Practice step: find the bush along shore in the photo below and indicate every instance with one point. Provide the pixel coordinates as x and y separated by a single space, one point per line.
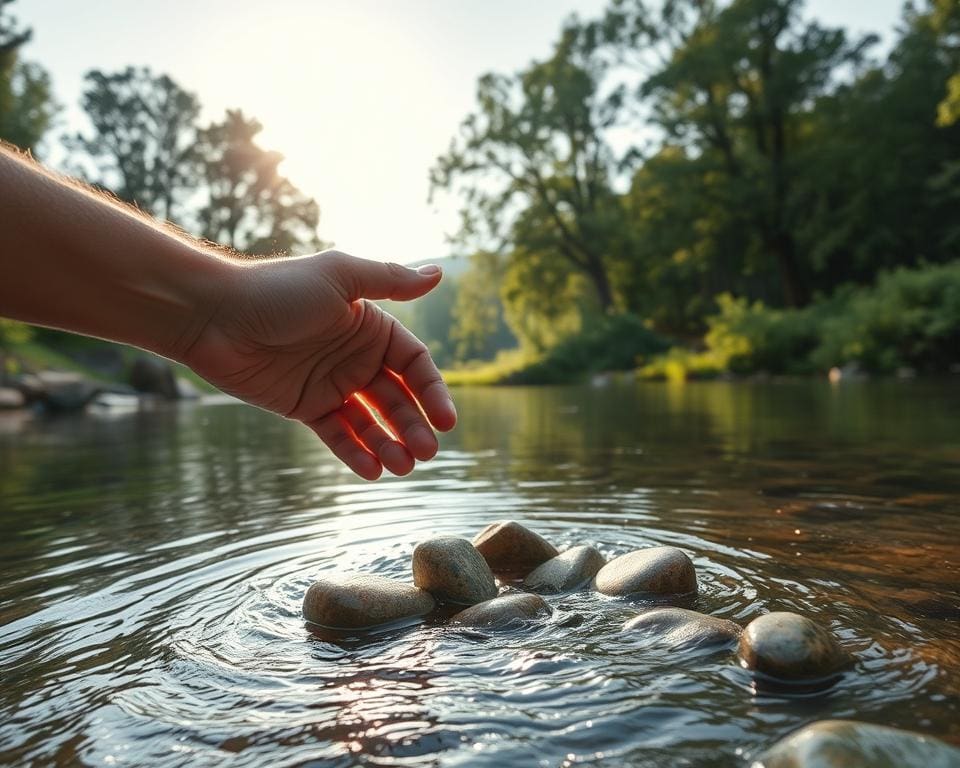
907 323
455 582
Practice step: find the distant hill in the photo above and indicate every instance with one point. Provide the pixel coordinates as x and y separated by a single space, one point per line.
453 266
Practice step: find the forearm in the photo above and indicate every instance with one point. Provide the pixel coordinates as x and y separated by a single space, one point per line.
72 259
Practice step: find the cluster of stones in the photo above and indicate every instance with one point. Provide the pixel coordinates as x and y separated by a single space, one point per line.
459 576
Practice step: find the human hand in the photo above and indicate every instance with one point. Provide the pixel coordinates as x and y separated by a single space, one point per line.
297 336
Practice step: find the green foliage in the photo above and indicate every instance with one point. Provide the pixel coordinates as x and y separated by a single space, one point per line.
27 107
616 343
535 172
12 334
911 318
479 329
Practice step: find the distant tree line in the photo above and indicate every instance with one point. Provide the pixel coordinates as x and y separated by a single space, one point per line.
670 153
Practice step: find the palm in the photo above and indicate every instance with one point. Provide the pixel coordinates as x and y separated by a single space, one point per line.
299 344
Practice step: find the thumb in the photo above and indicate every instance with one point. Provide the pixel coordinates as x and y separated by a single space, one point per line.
367 279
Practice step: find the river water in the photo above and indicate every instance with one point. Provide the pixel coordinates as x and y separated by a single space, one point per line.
152 565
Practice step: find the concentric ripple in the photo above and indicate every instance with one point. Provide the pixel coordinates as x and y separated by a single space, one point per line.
154 564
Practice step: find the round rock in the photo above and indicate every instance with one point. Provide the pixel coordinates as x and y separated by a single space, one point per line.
790 647
566 571
654 571
509 547
360 602
681 628
846 743
503 610
453 571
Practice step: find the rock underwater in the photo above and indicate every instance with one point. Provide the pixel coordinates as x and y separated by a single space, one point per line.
566 571
653 571
362 602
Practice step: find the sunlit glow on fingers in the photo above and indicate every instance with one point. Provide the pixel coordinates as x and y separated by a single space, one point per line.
393 402
337 434
376 436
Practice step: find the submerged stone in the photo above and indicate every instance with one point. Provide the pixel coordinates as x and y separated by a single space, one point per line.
566 571
361 602
653 571
509 547
790 647
503 610
453 571
681 628
846 743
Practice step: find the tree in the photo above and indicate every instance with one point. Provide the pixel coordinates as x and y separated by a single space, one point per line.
479 328
731 85
535 169
26 104
143 144
250 206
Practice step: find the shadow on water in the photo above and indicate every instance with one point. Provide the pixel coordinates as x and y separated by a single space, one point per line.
153 564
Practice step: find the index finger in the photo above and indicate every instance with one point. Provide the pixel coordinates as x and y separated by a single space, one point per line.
409 358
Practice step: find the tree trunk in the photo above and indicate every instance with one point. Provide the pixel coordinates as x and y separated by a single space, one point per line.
795 293
601 282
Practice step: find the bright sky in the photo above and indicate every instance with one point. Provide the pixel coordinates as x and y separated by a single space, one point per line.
360 95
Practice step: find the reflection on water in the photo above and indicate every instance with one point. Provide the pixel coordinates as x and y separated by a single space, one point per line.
153 565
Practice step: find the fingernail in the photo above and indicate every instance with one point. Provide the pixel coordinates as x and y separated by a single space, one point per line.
428 269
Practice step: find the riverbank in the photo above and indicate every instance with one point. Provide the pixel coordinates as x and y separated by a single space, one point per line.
34 375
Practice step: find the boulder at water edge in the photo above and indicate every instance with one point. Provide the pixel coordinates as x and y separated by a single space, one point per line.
845 744
360 602
11 398
453 571
790 647
566 571
503 610
509 547
680 628
654 571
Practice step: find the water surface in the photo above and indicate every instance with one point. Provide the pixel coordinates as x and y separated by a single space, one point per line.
152 565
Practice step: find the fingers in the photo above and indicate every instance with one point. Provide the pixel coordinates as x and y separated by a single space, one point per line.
376 439
394 403
336 432
359 441
410 360
365 279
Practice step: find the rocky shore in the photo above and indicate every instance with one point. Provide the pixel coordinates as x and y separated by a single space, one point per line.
55 391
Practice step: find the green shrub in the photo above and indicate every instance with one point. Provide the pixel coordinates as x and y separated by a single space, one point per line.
614 343
911 318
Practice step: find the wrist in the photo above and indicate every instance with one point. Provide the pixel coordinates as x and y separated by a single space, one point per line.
190 293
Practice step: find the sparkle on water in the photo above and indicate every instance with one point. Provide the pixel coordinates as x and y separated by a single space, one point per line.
153 563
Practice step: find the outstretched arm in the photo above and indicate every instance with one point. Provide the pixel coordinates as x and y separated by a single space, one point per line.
296 336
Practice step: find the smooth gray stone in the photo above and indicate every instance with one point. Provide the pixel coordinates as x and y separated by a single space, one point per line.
788 646
503 610
361 602
453 571
679 627
566 571
509 547
11 398
849 744
653 571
